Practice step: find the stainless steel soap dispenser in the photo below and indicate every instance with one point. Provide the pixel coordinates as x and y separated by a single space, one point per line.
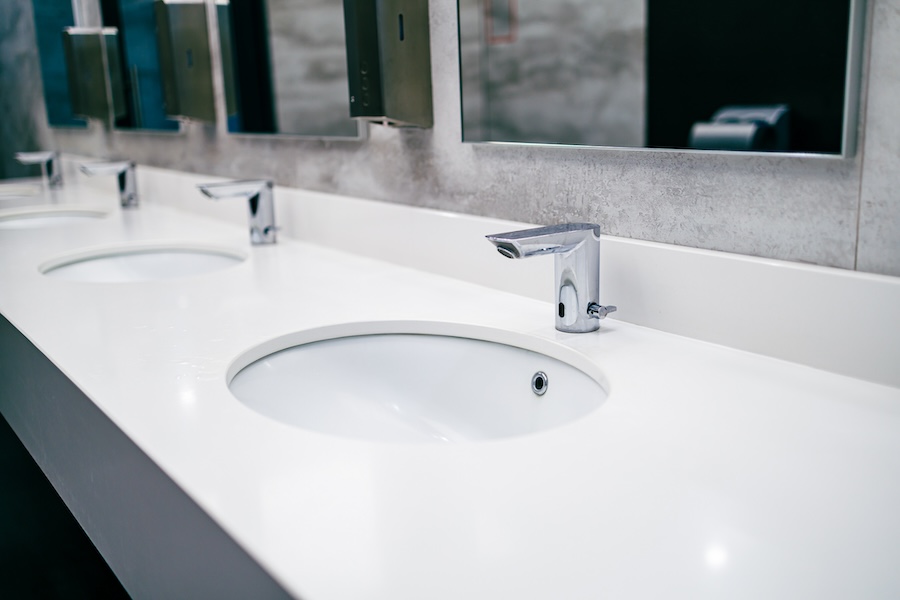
389 61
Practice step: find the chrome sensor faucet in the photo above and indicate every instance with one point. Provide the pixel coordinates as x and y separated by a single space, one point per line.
124 171
576 247
258 193
50 166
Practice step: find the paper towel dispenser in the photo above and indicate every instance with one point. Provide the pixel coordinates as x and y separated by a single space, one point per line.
185 61
94 72
750 128
389 61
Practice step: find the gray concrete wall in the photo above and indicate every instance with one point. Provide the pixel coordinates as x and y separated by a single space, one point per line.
23 120
809 209
879 210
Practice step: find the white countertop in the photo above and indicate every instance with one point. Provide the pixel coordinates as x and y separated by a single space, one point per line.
707 473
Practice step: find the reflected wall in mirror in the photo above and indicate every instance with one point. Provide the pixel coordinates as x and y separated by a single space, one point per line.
644 73
289 68
51 17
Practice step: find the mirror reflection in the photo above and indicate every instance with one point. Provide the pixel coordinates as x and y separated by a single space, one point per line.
658 74
51 17
289 68
284 63
137 66
141 72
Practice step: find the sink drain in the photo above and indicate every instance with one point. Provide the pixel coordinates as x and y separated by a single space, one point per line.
539 383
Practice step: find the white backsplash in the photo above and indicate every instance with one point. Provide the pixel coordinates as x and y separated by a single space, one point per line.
832 319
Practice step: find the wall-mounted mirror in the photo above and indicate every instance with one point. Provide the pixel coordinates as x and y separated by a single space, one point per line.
289 67
137 67
286 61
51 17
141 71
774 75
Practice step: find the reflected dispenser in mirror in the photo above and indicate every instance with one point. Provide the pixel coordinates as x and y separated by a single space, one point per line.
749 128
389 61
94 70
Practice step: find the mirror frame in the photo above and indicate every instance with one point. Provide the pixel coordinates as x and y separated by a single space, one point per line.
853 89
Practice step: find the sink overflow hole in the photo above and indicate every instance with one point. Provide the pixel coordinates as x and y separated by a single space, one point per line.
539 383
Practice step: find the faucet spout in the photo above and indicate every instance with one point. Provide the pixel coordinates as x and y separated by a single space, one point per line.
260 199
555 239
50 166
124 170
576 247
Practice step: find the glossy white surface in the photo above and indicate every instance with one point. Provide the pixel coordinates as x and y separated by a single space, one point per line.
140 262
37 217
19 190
26 192
404 382
707 473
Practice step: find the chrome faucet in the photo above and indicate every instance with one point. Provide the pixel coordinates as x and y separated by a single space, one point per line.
124 171
576 247
50 166
258 193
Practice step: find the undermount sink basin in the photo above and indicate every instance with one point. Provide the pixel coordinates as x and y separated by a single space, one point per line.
47 216
140 262
417 382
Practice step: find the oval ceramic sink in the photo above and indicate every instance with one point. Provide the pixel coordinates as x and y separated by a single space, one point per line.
140 262
417 382
47 216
